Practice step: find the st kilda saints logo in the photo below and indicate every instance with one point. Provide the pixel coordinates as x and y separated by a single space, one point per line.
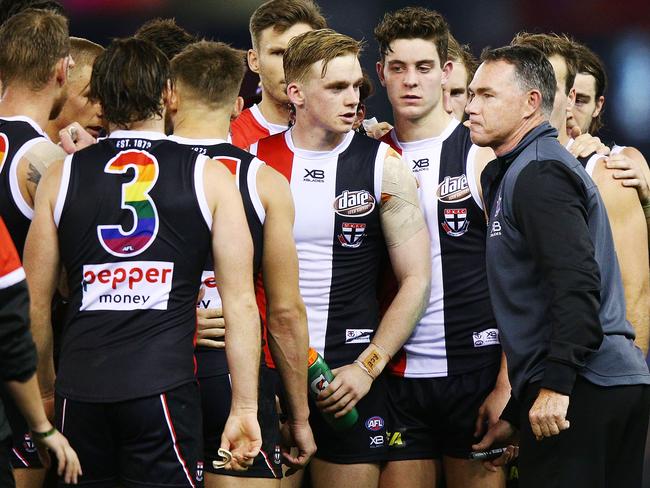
456 221
453 189
352 234
354 203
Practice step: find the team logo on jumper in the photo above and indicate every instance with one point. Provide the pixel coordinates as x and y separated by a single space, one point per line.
135 197
376 441
354 203
133 285
352 234
357 336
395 440
4 149
199 471
211 298
456 222
276 454
375 423
28 443
319 384
453 189
487 337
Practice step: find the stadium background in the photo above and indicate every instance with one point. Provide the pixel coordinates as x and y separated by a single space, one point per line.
618 31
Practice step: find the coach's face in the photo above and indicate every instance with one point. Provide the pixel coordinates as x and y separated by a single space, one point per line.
266 60
330 102
497 105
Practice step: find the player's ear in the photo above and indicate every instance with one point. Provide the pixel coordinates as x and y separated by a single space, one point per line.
379 66
572 98
296 94
253 61
447 68
600 101
167 93
173 98
237 108
61 69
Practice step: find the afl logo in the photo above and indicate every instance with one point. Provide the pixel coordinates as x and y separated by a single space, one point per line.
374 424
453 189
354 203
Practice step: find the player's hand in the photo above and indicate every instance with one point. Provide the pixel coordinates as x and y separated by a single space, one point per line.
548 414
243 438
350 385
211 326
503 432
631 174
74 138
586 144
297 434
491 409
68 463
378 130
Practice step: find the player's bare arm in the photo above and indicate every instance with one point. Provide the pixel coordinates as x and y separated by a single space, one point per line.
286 315
233 262
33 166
42 268
633 171
630 234
407 239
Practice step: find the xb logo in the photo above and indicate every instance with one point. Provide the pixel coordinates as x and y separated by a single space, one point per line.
316 174
420 164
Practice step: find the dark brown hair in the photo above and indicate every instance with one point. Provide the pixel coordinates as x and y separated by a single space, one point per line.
413 23
460 53
213 71
32 42
313 46
284 14
552 44
590 64
166 35
129 79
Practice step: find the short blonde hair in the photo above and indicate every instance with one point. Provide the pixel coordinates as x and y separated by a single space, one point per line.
313 46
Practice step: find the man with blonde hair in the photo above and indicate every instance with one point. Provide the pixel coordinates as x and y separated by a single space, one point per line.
354 198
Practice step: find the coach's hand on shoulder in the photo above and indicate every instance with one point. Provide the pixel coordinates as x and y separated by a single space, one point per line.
586 144
298 434
351 383
50 439
548 414
74 138
242 437
503 432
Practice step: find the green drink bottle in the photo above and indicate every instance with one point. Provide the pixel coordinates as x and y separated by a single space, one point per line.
320 376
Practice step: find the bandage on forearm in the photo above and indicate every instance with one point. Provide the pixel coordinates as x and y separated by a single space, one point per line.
400 212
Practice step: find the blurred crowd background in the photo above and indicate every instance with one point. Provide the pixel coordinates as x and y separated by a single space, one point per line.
618 31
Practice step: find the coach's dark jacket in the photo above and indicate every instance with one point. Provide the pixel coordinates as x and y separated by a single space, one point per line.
554 278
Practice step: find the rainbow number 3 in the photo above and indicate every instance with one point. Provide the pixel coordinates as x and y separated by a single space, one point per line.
135 197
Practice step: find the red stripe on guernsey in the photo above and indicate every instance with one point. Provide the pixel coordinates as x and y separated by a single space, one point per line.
268 463
24 461
388 139
245 130
260 297
172 432
9 260
275 152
